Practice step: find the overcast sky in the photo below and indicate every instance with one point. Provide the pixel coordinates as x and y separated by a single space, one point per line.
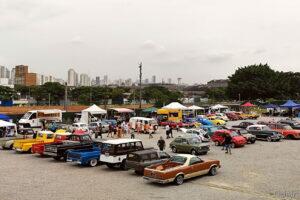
197 40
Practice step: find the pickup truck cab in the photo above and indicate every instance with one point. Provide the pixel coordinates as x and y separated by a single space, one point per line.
25 145
85 157
59 136
8 141
114 152
138 160
59 150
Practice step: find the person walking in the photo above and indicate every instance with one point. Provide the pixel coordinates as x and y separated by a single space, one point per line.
161 144
171 132
167 131
150 131
132 135
228 142
110 130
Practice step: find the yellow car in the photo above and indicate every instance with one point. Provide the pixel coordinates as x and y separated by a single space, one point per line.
250 116
216 121
25 145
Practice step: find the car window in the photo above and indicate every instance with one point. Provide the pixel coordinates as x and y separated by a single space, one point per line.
178 159
184 141
164 155
74 138
153 156
33 116
136 145
178 140
133 157
195 160
50 136
86 138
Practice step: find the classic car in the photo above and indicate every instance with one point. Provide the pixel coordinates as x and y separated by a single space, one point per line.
222 116
250 115
85 157
174 124
263 132
294 124
248 136
216 121
241 115
200 133
286 130
210 129
58 150
219 136
104 125
138 160
114 152
25 145
79 126
8 142
204 121
232 116
189 144
179 168
60 135
243 125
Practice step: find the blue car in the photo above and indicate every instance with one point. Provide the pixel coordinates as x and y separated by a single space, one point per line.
85 157
204 121
210 129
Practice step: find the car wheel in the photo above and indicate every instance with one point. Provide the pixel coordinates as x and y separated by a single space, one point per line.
57 158
213 171
29 150
252 141
218 124
174 150
11 147
138 172
290 137
179 180
93 162
217 143
123 165
193 152
269 139
109 165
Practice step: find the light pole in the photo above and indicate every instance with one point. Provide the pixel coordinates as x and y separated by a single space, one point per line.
140 67
49 96
66 96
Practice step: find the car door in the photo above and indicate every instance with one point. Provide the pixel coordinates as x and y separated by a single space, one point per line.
185 146
178 144
197 167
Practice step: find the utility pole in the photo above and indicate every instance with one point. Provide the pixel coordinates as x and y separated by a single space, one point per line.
66 96
49 101
140 67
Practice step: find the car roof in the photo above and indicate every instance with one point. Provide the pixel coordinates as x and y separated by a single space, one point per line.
147 151
121 141
185 155
46 132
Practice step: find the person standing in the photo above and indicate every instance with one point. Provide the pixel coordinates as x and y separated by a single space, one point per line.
177 127
161 144
171 131
228 142
110 130
167 131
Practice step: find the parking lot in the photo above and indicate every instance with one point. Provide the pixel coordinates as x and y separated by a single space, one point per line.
264 170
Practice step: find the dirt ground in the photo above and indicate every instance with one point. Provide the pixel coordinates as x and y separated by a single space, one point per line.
257 171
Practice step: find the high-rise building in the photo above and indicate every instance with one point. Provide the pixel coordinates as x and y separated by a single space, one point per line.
154 79
85 80
23 77
4 72
72 78
146 81
105 80
12 76
97 81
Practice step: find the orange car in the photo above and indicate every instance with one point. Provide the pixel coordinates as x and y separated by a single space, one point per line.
180 167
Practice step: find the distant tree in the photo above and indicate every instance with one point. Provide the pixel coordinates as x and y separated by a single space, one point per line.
6 93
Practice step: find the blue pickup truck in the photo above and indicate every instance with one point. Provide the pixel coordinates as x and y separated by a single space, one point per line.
85 156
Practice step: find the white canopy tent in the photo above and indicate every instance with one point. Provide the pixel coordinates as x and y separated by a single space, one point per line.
219 108
195 108
175 105
92 110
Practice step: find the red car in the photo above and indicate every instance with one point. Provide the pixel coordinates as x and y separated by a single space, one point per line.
286 130
39 148
232 116
174 124
219 136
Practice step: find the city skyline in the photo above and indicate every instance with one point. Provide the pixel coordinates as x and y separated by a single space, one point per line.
111 38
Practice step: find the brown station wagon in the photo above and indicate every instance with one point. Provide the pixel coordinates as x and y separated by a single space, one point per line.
181 167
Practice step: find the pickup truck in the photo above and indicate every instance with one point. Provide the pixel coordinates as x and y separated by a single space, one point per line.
25 145
85 157
59 150
8 142
40 147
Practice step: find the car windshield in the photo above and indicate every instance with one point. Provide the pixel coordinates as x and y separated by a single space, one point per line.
194 141
243 131
27 115
233 134
266 128
213 129
178 159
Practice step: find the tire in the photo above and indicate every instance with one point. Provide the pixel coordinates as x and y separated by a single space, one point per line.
138 172
174 150
109 165
213 171
179 180
269 139
93 162
57 158
11 147
233 145
253 141
193 152
123 165
29 150
291 137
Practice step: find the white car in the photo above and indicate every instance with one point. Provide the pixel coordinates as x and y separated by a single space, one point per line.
79 126
200 133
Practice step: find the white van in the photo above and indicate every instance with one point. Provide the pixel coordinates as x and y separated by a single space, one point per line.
143 120
34 118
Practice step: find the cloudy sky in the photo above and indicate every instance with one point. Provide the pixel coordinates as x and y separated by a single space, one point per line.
196 40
